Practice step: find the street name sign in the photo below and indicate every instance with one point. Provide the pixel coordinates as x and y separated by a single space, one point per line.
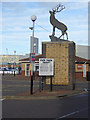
46 67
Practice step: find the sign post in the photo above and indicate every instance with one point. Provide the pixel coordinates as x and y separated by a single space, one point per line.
51 83
42 82
46 68
32 59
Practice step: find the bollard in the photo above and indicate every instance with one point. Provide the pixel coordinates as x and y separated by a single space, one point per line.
14 72
73 86
3 72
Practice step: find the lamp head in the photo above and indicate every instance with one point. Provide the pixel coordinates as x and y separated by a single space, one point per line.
33 18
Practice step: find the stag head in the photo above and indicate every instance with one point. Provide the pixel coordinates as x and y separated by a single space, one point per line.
58 8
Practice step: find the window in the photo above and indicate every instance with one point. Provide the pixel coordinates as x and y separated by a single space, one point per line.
27 69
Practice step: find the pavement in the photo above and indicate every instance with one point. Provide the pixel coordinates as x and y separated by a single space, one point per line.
46 94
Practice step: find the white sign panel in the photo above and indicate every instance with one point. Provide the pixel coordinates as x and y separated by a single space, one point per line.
46 67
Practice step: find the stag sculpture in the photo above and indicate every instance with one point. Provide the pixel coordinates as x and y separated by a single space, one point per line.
56 23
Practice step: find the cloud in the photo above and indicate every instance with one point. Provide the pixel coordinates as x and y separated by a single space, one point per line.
45 0
76 5
16 29
42 20
77 36
36 0
24 18
14 7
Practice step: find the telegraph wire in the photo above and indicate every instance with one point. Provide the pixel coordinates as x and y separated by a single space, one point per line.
42 27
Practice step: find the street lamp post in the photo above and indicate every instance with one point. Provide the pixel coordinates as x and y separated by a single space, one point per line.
33 18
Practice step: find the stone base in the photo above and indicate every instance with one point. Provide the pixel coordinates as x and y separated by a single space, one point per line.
60 87
55 39
63 53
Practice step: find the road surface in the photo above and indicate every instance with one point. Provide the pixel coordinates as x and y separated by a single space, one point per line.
67 107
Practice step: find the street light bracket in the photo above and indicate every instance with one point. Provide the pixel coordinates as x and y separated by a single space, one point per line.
31 28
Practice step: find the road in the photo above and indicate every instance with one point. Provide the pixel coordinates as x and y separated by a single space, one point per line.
68 107
16 86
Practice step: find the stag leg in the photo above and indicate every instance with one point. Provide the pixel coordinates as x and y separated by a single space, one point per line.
53 31
62 35
67 35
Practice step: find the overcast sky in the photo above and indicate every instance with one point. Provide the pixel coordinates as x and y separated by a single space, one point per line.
16 20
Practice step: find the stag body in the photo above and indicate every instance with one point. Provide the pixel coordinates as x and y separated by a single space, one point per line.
57 24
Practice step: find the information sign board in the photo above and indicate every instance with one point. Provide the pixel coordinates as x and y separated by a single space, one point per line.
46 67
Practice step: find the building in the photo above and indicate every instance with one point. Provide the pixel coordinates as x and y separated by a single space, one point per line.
82 66
8 60
82 62
83 51
25 65
79 66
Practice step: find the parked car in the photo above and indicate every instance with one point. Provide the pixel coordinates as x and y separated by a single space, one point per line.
12 71
8 71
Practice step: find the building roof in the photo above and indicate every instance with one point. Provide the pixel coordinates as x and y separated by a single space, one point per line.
36 58
24 59
79 59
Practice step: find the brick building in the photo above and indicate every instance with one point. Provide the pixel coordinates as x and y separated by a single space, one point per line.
79 62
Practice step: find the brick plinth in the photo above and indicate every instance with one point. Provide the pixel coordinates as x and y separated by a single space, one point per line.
63 54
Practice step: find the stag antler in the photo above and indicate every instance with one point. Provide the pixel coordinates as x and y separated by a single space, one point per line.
57 7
